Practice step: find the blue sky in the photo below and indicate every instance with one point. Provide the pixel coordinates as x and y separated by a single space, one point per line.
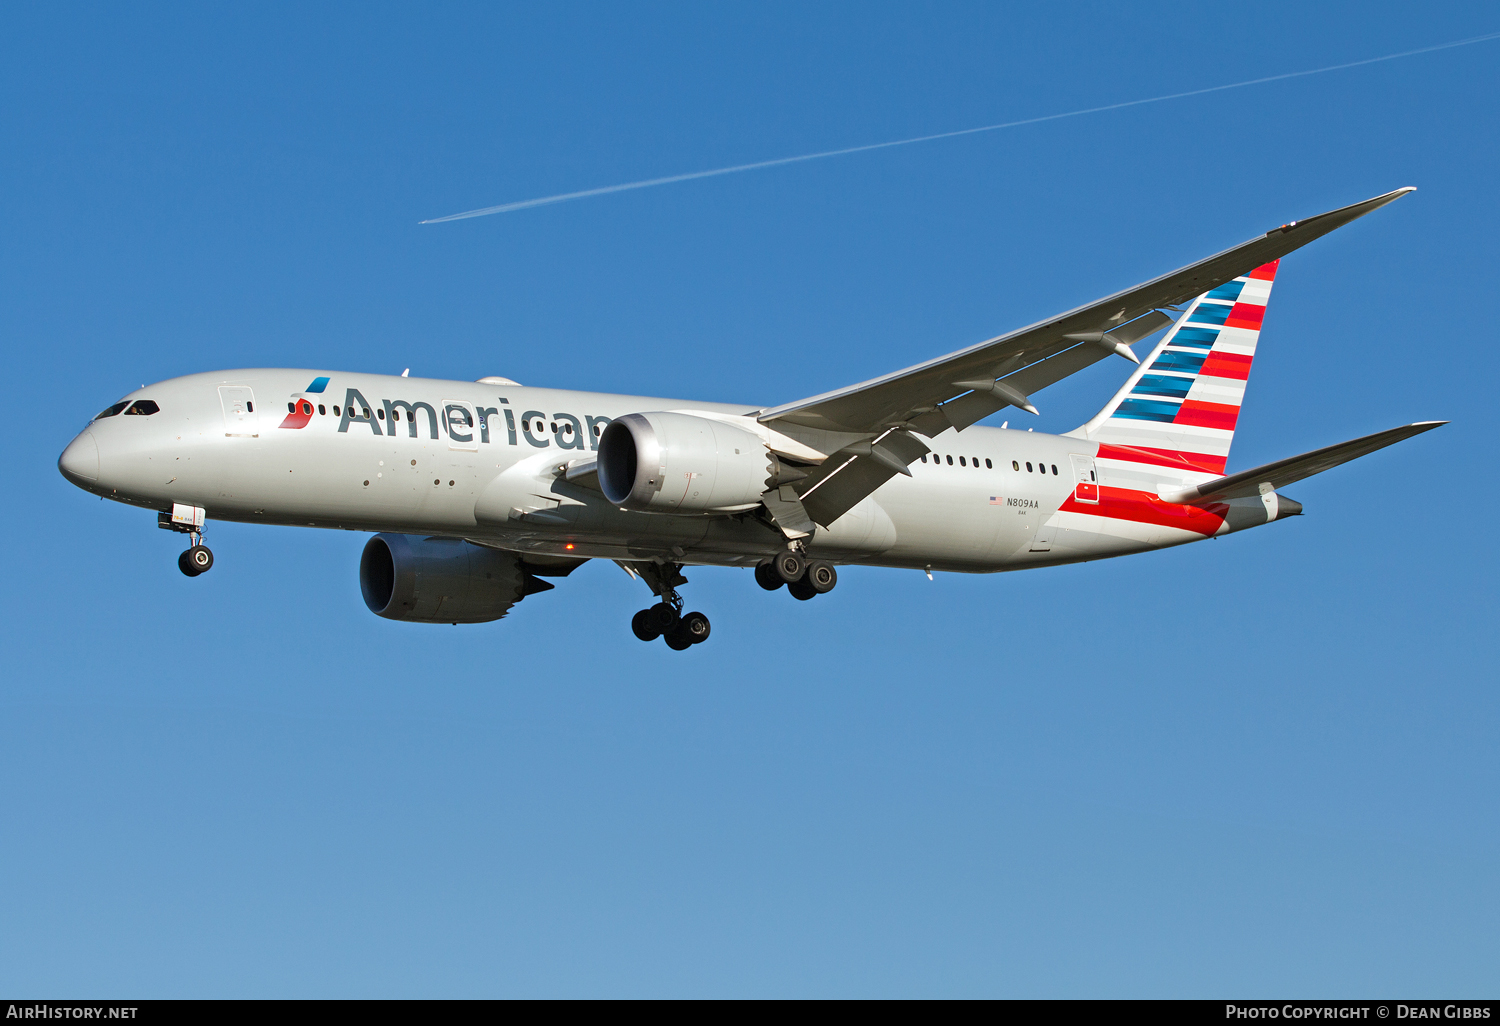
1258 766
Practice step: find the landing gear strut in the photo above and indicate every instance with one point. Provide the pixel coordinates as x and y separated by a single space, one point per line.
188 520
803 579
666 619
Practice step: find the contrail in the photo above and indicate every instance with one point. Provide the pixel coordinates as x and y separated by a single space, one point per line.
506 208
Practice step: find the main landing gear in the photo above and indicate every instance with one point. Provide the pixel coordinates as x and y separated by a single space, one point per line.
803 579
666 619
188 520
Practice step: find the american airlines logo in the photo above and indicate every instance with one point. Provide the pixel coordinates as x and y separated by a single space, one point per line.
465 424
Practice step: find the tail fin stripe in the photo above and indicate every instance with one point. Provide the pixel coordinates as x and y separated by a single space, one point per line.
1171 386
1210 313
1245 315
1230 290
1201 338
1163 458
1147 409
1186 363
1210 415
1227 365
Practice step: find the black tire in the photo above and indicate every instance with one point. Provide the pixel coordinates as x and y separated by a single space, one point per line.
200 557
695 628
677 639
802 590
187 568
767 577
789 567
663 617
640 623
822 576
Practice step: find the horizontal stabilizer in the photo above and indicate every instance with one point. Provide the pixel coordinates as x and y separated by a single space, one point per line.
1284 472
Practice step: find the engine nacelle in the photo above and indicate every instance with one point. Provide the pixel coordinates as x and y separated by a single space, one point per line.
681 463
438 580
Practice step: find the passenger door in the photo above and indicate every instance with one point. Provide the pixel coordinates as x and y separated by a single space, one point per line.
1086 488
460 424
240 418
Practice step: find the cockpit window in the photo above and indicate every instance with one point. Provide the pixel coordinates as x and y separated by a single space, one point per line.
113 410
142 408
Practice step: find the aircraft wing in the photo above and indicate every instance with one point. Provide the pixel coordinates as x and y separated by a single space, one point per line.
956 390
1277 475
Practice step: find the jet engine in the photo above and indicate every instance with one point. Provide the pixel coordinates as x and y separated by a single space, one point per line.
681 463
440 580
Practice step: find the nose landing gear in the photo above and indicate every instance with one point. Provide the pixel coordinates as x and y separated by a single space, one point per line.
189 520
196 560
666 620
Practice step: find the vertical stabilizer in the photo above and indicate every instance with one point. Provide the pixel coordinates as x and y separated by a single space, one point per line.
1178 410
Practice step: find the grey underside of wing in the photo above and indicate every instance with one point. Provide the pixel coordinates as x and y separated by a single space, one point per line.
914 398
1289 471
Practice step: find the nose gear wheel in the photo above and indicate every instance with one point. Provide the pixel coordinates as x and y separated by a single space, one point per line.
196 560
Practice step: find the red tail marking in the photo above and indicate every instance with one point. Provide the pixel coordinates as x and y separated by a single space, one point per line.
1245 315
1209 415
1145 508
1265 272
1227 365
1163 458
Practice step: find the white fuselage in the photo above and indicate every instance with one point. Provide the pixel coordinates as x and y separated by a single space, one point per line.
487 463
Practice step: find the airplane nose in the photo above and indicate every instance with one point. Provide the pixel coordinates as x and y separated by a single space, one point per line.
80 460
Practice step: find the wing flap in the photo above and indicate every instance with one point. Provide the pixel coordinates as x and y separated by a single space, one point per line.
851 474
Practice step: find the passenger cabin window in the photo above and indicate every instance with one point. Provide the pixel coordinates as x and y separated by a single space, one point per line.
307 409
1014 465
950 461
113 411
142 408
1028 468
975 461
1054 470
336 411
322 410
988 465
961 462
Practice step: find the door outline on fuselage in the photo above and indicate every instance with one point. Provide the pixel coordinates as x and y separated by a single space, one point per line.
240 417
468 425
1041 538
1085 479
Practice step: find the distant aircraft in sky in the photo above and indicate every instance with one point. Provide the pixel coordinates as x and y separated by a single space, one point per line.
478 491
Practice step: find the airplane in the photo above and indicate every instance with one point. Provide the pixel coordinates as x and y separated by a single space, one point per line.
477 492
